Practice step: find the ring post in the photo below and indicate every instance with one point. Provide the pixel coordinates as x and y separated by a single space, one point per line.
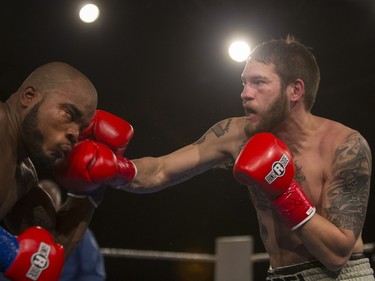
233 258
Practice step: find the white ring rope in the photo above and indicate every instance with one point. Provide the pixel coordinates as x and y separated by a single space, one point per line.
178 256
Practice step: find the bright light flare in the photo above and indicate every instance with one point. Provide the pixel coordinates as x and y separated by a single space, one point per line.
239 51
89 13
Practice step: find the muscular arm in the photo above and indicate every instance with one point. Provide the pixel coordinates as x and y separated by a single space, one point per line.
332 238
34 208
68 224
215 146
73 218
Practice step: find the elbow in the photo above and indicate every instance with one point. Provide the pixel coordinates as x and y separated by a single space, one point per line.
336 263
339 256
335 266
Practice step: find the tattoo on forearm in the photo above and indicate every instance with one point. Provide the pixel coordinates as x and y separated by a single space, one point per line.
349 192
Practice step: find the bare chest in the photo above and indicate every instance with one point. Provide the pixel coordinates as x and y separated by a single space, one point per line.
311 174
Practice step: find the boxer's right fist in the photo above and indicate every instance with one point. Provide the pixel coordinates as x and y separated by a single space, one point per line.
266 161
33 255
110 130
90 165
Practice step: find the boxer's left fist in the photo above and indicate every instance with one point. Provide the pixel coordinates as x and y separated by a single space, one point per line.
266 161
33 255
91 165
110 130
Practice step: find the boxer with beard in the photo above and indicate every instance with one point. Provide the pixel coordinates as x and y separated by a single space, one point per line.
40 123
308 176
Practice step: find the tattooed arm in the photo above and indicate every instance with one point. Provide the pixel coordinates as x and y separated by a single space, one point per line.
214 147
335 234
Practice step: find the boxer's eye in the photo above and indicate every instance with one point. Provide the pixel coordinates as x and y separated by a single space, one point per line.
69 115
71 112
258 82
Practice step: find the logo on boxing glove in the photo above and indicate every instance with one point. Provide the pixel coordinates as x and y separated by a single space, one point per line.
39 261
278 169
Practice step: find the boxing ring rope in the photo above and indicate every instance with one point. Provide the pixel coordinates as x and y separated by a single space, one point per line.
233 258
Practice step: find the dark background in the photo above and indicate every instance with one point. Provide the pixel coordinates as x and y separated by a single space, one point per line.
163 66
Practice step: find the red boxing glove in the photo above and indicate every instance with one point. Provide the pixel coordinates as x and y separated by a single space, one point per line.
110 130
90 165
38 258
266 160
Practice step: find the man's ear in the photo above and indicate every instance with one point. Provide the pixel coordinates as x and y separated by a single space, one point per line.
30 96
298 88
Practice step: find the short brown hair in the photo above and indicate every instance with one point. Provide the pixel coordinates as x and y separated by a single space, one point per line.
292 61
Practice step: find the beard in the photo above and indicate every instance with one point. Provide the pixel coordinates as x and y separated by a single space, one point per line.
277 112
34 138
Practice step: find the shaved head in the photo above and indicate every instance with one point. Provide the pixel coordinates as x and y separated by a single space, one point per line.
59 78
55 75
53 104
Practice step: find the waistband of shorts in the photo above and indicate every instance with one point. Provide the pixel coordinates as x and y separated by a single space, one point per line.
293 269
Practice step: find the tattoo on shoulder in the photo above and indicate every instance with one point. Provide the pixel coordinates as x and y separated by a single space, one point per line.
201 140
217 129
348 193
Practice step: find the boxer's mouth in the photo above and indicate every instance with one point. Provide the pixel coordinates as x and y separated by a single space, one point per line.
249 111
